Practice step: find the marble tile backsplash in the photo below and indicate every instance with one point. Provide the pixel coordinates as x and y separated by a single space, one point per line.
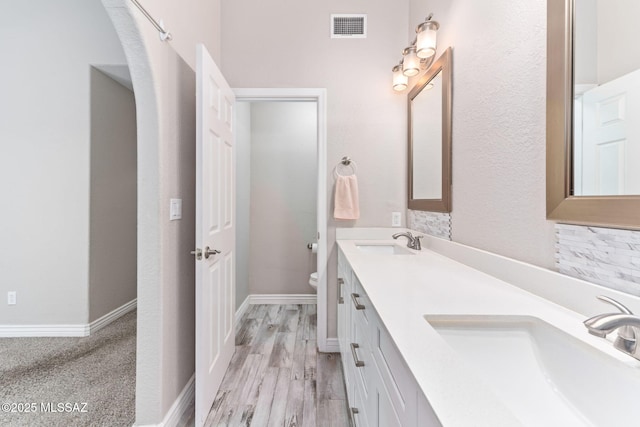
436 224
606 256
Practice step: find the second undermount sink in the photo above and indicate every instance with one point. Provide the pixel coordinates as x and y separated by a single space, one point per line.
387 249
544 375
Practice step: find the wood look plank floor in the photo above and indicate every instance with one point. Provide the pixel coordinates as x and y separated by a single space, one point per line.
277 377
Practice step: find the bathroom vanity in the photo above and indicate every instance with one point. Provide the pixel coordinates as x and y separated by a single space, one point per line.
380 387
455 336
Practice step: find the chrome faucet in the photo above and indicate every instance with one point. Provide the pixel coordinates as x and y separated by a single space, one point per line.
627 324
413 241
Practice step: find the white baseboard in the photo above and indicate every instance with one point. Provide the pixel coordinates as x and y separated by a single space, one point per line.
18 331
242 309
182 407
282 299
81 330
332 345
100 323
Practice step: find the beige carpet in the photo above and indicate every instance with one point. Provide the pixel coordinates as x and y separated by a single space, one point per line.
70 381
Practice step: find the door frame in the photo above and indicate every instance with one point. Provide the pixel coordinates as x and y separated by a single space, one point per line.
318 95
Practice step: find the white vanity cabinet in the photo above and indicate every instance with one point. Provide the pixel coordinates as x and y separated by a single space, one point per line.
344 289
344 319
381 390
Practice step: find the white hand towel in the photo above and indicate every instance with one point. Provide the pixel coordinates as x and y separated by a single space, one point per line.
346 200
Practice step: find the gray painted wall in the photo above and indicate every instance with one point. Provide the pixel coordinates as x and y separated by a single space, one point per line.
276 153
283 197
606 40
586 42
618 47
243 199
112 236
178 285
47 48
366 119
499 112
165 102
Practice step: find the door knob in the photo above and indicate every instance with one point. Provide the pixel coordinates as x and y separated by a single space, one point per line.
197 253
209 252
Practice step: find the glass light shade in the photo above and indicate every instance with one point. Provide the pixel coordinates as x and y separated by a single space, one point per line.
426 39
411 62
400 81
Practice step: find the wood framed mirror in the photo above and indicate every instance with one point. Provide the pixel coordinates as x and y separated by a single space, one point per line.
608 196
429 106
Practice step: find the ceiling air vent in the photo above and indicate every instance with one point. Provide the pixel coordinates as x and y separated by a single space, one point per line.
348 26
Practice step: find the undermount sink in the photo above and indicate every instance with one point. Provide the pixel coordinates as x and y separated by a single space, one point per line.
545 376
387 249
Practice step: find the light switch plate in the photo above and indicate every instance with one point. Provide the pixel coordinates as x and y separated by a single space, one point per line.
11 298
175 209
396 219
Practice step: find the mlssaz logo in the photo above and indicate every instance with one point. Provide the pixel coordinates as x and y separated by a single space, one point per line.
63 407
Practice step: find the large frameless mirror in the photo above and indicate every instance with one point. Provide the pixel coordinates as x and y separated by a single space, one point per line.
430 138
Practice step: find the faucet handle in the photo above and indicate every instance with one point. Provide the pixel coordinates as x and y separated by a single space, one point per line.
418 245
614 303
626 333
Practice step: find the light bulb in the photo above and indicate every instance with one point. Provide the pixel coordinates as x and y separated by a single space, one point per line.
411 62
400 81
426 39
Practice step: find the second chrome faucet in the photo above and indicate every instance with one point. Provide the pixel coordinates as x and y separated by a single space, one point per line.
627 324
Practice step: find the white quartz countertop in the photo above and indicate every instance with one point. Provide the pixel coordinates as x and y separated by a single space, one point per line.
405 288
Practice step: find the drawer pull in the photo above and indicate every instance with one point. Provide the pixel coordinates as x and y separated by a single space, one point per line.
340 284
355 411
359 363
355 297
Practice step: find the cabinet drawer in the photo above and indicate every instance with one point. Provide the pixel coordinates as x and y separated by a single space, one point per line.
348 371
386 414
358 410
360 305
344 269
344 307
360 359
395 375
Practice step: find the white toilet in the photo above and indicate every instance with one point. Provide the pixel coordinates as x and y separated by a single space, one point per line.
313 280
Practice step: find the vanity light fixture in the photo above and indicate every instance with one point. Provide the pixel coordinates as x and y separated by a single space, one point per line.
417 56
426 38
400 81
410 62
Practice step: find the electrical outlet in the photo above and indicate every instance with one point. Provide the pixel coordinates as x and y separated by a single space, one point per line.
175 209
11 298
396 219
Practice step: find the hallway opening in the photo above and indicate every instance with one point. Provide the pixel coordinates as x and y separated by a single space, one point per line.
281 202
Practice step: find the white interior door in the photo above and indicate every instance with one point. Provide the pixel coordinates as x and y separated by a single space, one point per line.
611 142
215 231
